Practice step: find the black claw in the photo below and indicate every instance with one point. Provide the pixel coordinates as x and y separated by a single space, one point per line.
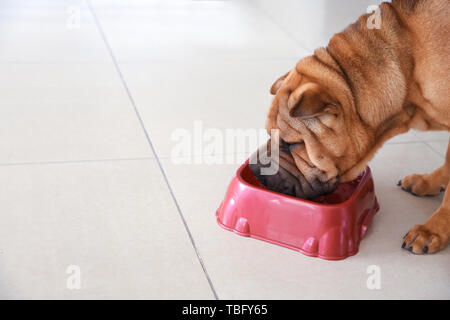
403 245
425 249
407 190
399 183
410 249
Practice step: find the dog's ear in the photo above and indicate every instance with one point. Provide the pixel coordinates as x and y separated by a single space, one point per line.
277 84
310 101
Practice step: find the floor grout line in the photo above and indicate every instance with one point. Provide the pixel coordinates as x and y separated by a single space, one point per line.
288 34
402 142
187 157
102 34
35 163
429 145
151 61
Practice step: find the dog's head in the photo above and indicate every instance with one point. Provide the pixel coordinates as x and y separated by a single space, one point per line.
322 140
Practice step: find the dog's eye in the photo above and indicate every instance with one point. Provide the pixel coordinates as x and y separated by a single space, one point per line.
286 145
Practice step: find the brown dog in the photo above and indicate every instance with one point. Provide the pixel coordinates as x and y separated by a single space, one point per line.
336 108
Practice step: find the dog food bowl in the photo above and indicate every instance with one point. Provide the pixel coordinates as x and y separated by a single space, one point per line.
330 227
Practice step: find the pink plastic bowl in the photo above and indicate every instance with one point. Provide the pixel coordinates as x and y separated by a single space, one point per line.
330 228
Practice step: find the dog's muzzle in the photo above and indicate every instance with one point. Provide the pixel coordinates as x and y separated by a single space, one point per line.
288 179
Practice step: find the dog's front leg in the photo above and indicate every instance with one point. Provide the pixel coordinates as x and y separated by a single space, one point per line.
428 184
434 235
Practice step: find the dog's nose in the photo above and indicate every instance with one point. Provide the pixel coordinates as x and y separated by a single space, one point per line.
293 183
282 181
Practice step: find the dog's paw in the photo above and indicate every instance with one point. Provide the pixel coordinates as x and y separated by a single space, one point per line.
422 240
420 185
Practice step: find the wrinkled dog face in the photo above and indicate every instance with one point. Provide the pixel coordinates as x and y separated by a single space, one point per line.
317 137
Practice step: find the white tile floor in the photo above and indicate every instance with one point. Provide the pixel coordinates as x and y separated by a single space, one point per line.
86 117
